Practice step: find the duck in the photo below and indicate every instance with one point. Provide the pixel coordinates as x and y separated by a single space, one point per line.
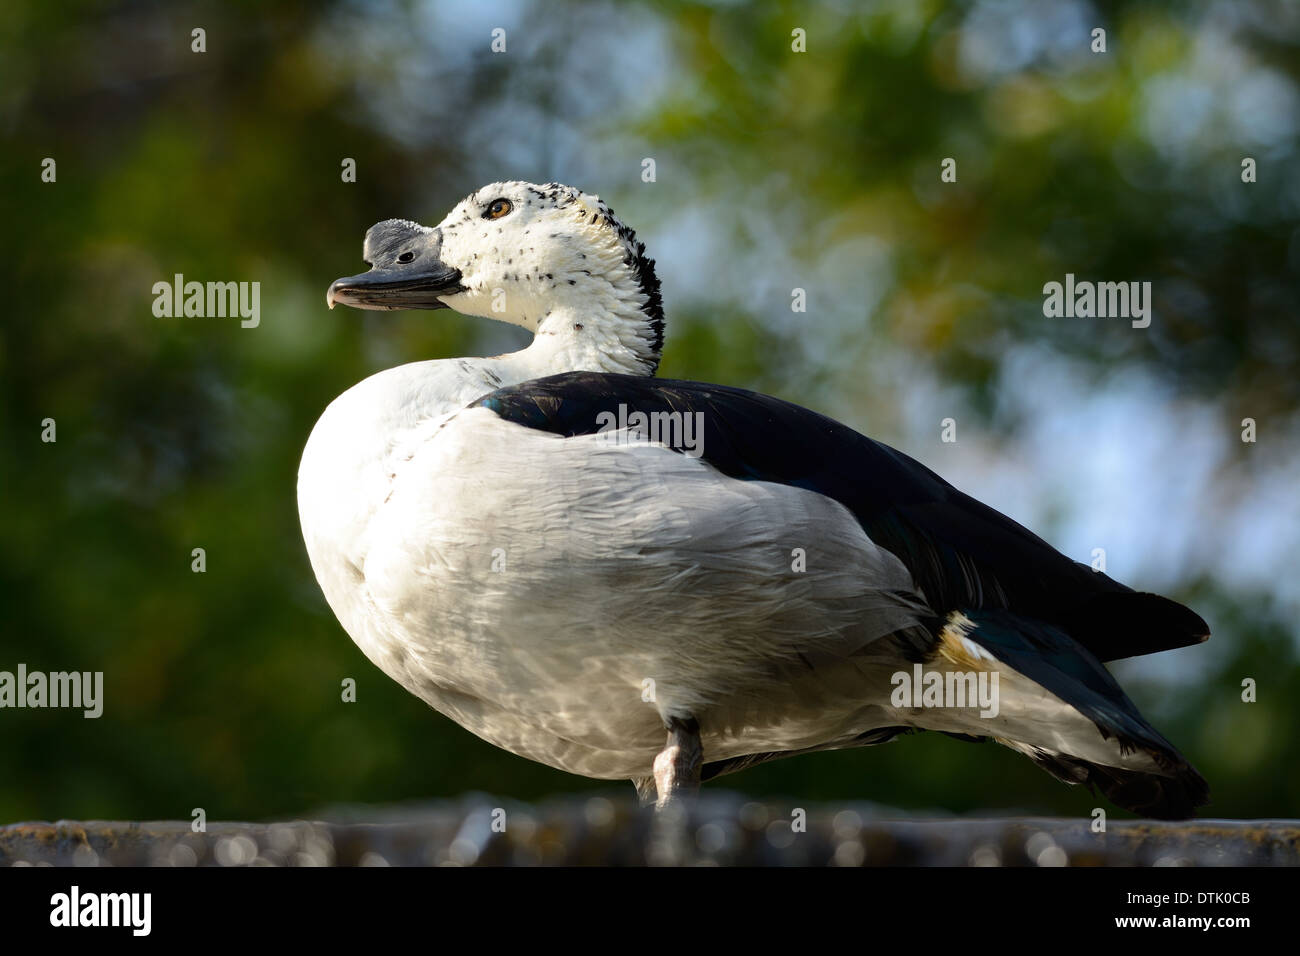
627 577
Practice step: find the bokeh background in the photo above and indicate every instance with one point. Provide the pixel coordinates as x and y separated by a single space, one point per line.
775 170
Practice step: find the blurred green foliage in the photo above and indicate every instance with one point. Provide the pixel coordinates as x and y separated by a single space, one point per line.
223 688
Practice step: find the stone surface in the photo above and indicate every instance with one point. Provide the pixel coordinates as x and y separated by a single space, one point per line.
720 828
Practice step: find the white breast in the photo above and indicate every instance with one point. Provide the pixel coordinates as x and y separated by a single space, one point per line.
350 459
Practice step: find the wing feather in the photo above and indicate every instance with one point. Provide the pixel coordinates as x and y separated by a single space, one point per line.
961 553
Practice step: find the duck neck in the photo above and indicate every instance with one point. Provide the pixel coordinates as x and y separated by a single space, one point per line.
626 341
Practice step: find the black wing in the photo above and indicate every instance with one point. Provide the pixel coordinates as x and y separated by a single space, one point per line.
961 553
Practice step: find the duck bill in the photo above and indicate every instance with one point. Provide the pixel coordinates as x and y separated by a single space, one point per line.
395 288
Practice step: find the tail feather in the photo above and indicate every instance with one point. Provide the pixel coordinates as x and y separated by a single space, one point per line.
1160 797
1172 789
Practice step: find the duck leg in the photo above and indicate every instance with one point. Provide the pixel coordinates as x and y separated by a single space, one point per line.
677 767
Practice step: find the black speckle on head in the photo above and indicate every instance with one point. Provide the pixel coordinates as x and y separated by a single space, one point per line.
643 270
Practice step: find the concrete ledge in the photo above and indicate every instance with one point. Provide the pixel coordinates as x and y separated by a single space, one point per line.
720 828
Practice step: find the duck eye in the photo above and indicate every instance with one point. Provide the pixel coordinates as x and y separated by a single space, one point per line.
406 257
497 209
